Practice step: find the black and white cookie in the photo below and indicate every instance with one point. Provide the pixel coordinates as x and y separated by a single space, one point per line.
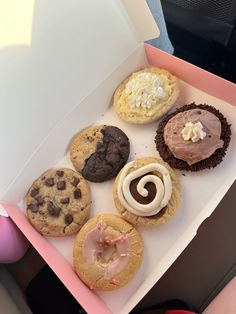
58 202
99 152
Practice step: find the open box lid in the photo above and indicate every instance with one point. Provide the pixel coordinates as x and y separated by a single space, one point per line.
52 55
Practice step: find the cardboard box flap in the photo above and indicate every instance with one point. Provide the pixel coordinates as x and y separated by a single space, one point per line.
140 16
74 46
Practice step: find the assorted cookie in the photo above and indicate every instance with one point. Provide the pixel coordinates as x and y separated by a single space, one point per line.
193 138
99 152
58 202
146 192
108 252
145 96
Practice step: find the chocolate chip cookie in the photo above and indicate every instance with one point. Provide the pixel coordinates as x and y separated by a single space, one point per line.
58 202
99 152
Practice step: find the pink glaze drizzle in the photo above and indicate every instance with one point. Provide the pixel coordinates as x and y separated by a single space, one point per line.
115 281
97 243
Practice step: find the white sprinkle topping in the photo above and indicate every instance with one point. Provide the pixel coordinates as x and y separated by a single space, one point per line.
145 90
193 132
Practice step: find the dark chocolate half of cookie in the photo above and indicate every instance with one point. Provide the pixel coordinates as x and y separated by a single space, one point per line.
207 163
110 156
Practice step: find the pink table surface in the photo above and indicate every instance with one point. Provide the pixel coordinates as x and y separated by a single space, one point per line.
225 301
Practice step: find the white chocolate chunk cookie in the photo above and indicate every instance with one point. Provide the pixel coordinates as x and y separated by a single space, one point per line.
146 95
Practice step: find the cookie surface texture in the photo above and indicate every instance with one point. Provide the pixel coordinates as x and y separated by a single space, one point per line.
58 202
99 152
108 252
154 192
189 153
146 95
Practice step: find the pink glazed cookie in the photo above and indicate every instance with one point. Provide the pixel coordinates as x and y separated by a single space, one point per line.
108 252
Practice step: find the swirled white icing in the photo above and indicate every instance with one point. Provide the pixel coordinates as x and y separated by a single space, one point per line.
163 188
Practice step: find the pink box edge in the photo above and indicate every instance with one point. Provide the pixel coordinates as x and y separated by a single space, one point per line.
211 84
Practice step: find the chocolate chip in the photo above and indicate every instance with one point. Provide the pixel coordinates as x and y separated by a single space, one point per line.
34 192
53 210
39 200
90 139
49 182
68 219
43 178
33 207
61 185
65 200
60 173
75 181
199 112
77 194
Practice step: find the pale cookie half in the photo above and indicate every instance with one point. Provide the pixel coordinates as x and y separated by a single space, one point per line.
147 218
146 95
58 202
108 252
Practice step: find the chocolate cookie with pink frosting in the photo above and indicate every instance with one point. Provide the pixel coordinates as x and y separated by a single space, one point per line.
193 138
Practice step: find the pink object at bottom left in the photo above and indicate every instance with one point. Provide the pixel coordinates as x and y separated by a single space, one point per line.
13 244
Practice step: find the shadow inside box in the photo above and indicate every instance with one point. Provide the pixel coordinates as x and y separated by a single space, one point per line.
51 297
206 54
57 299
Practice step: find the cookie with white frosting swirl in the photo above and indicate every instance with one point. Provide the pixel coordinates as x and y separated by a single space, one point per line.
146 192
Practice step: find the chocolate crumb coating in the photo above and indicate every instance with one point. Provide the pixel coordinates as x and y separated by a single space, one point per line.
110 156
207 163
